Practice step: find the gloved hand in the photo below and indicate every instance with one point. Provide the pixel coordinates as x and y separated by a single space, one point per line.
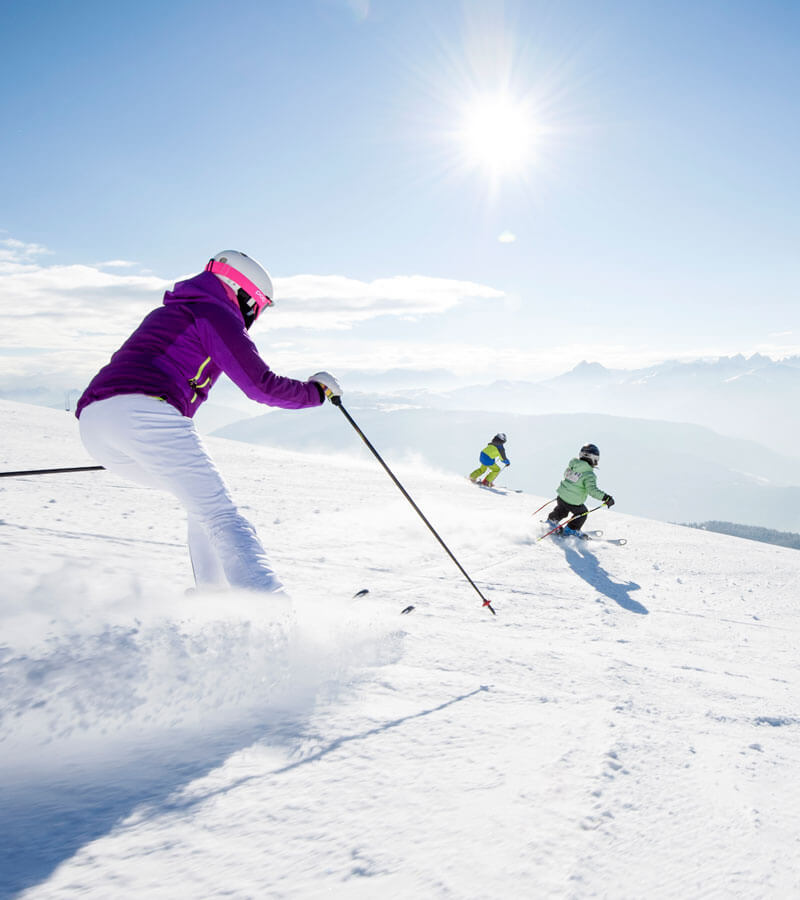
507 464
608 500
329 384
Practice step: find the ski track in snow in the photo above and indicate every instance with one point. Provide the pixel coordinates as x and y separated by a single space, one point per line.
626 726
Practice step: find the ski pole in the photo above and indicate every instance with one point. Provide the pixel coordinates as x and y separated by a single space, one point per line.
50 471
570 519
543 506
337 401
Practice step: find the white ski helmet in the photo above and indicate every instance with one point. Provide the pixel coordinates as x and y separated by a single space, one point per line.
500 436
250 281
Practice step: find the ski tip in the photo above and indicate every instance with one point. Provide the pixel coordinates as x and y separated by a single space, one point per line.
362 593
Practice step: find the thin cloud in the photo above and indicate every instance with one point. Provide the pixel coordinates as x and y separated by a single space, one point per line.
336 302
116 264
506 237
13 250
63 318
359 8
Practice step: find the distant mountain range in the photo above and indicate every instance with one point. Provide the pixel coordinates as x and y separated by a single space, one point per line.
696 441
755 398
675 472
751 533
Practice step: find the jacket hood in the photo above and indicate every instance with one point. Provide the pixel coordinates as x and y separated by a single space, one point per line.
202 288
580 465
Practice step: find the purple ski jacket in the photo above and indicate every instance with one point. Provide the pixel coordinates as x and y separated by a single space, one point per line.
180 349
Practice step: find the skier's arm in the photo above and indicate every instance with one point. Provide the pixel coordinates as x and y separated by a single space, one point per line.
229 345
590 483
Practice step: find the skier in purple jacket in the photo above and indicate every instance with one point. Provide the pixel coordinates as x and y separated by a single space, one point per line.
136 414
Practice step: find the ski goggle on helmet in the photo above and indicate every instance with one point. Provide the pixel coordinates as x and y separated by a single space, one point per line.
249 281
591 454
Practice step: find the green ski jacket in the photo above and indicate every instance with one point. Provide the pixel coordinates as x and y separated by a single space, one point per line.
579 482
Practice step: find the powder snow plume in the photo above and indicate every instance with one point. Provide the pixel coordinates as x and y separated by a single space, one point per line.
82 659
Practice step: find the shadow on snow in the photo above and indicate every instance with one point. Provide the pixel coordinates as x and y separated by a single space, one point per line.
45 821
47 815
586 565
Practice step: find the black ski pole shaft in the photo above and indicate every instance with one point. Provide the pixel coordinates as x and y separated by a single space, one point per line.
337 401
51 471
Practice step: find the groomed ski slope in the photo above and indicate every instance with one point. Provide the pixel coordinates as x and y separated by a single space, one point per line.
627 726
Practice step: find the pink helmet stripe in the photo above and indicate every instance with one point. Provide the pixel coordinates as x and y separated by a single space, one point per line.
219 268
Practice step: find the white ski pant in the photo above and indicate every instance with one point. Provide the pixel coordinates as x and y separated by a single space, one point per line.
148 441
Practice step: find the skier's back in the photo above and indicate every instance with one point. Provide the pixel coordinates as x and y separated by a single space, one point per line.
578 483
495 450
136 415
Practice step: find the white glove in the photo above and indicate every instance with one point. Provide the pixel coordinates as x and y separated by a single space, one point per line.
329 384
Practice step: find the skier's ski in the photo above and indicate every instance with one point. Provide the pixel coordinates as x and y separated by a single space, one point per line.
497 490
581 535
597 533
594 536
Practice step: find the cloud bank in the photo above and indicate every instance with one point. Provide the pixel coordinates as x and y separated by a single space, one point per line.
63 321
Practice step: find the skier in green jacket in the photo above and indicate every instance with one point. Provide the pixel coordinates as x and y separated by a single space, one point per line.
579 482
494 451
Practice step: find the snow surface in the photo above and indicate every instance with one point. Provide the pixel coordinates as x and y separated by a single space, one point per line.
626 726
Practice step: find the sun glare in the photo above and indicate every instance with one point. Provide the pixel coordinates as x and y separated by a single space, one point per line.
498 133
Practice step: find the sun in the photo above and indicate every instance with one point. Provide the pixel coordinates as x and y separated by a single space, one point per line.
497 133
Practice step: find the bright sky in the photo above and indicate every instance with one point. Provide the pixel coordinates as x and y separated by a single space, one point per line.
500 190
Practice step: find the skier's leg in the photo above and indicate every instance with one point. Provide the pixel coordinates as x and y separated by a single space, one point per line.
494 471
580 512
149 441
101 428
558 512
207 568
474 476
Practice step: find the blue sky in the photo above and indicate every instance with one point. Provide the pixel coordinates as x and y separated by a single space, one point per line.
654 214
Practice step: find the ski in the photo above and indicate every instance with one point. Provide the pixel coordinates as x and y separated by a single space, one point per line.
595 536
497 490
363 593
581 536
597 533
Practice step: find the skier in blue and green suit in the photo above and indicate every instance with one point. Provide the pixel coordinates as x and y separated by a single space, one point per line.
495 450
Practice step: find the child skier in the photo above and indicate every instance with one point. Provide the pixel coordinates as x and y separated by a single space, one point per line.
136 414
495 450
579 482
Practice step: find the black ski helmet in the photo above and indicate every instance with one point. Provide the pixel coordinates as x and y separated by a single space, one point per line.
500 436
591 454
